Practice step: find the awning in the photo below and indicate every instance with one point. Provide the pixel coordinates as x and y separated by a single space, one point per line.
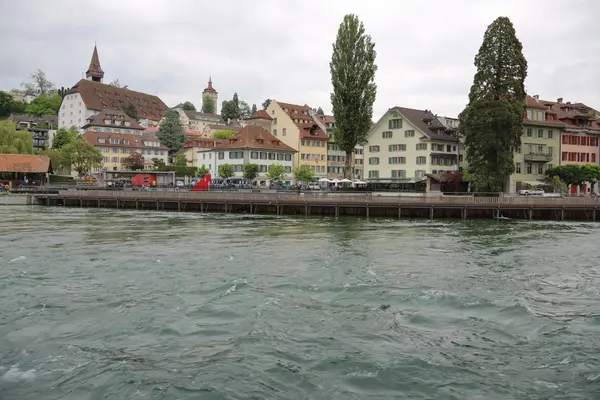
534 183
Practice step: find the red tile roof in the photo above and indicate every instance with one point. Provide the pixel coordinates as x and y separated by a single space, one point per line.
98 96
133 141
254 137
25 163
304 121
426 122
203 143
209 88
533 103
568 112
261 114
117 120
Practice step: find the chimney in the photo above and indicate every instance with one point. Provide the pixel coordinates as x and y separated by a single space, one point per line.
536 96
559 100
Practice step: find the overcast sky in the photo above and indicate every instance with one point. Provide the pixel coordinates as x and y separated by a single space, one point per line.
281 49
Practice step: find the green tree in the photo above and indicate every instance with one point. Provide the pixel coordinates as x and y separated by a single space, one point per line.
320 111
39 84
226 171
222 135
13 141
492 122
6 104
81 156
304 174
253 110
55 158
133 162
229 110
171 132
131 111
180 160
158 163
266 103
276 172
558 186
352 70
208 105
189 106
203 171
64 136
245 111
45 104
251 171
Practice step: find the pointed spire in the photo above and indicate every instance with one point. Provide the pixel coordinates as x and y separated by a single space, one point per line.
94 71
210 87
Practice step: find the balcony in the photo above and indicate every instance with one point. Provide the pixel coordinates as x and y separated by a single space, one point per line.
537 157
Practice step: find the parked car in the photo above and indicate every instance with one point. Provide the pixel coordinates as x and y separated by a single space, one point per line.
314 186
531 192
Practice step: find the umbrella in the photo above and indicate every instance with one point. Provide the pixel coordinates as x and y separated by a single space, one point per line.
359 182
324 180
336 180
345 180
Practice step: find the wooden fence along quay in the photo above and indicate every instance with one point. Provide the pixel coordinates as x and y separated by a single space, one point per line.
390 206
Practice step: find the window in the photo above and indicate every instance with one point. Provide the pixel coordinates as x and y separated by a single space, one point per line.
528 167
274 121
126 142
288 157
530 114
262 155
374 149
373 174
395 123
397 160
565 156
421 160
550 150
274 132
234 155
410 133
419 173
221 155
518 168
436 147
101 140
271 156
423 146
254 155
540 116
540 169
540 133
114 141
374 160
529 132
263 168
387 134
550 134
398 173
283 132
395 147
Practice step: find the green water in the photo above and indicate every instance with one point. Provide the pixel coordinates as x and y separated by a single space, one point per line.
106 304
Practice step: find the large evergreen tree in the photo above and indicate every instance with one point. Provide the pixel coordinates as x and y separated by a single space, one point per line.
352 76
171 132
492 122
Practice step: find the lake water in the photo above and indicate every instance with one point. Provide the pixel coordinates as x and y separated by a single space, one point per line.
107 304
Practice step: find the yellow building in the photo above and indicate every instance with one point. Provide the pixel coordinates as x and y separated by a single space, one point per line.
405 144
294 125
191 148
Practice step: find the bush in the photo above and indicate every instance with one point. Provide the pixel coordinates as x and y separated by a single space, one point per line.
61 179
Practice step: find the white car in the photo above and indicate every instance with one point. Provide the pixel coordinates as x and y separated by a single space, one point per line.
314 186
531 192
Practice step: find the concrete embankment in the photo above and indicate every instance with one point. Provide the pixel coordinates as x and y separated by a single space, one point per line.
15 200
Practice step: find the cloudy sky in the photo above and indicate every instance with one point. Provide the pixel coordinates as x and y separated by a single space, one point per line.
281 49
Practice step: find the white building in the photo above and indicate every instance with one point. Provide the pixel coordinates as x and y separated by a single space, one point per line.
90 96
250 145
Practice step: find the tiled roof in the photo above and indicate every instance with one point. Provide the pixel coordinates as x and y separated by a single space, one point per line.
209 88
133 141
95 69
254 137
117 120
304 121
25 163
203 143
51 119
433 129
261 114
98 96
533 102
567 112
225 127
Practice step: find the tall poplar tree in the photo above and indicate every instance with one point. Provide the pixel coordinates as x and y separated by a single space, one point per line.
171 133
492 122
352 69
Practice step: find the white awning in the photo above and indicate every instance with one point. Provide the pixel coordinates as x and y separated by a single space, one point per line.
534 183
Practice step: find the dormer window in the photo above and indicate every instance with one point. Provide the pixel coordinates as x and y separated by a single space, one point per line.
101 140
126 141
107 121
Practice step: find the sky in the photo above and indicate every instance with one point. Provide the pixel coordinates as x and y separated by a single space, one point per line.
281 49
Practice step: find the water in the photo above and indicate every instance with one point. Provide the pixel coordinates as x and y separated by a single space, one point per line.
105 304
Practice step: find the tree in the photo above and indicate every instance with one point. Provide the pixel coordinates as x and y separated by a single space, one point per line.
55 158
13 141
266 103
39 85
492 122
276 172
171 132
180 160
226 171
203 171
115 83
229 110
6 104
81 156
244 109
222 135
303 174
352 70
158 163
251 171
133 162
131 111
320 111
208 104
189 106
63 137
45 104
558 186
253 110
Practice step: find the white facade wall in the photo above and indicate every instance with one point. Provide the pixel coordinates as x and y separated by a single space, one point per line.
73 112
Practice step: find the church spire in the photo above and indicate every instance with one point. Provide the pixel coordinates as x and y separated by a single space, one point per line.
94 71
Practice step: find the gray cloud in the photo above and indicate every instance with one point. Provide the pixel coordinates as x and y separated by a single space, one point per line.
279 49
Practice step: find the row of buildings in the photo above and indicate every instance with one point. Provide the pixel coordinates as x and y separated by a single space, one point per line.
403 146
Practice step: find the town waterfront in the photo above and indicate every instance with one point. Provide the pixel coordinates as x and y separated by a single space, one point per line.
118 304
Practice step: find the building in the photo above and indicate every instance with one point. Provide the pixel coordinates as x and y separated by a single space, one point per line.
112 120
117 146
211 129
17 169
260 118
250 145
191 148
405 144
42 128
90 96
210 93
294 125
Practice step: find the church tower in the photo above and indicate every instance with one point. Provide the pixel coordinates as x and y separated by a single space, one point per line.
94 72
211 94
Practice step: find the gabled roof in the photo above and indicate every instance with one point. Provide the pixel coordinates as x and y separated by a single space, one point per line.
261 114
98 96
533 102
191 114
50 118
117 118
202 143
426 122
25 163
567 112
303 120
254 137
133 141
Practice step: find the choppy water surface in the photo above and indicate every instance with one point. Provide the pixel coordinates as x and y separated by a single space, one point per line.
105 304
